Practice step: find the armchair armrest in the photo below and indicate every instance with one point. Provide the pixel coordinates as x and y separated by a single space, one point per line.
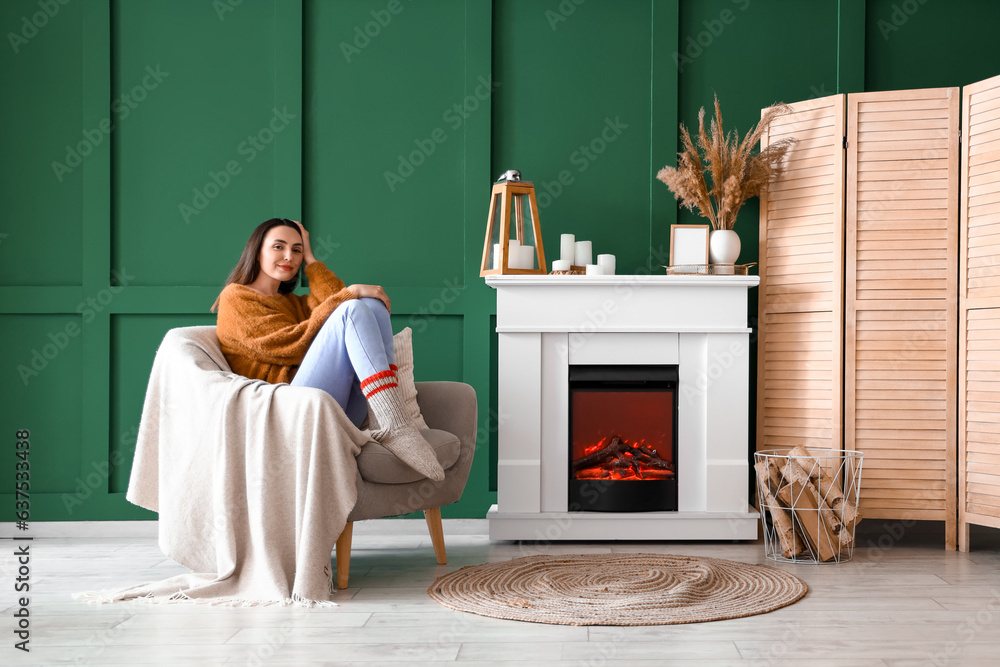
451 407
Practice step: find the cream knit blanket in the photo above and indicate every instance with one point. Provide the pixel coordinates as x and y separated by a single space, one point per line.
253 481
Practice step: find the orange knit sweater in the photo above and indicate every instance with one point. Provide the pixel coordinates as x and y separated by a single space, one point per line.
266 337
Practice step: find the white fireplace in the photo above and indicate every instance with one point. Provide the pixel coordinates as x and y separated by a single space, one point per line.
546 324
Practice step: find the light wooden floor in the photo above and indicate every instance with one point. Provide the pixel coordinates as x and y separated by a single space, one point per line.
903 600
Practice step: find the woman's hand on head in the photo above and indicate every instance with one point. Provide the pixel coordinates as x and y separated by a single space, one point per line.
372 292
307 253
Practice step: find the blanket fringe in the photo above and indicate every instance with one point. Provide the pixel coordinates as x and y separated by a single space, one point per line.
110 596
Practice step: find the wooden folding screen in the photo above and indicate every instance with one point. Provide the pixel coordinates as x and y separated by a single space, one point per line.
901 337
979 335
800 324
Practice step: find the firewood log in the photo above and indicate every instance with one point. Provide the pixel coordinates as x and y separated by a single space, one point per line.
805 504
773 475
791 543
828 488
797 474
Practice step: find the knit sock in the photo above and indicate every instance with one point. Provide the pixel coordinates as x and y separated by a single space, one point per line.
396 431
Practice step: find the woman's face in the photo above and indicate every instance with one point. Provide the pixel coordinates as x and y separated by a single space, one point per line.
281 253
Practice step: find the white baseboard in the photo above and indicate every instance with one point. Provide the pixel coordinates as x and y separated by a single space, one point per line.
148 529
81 529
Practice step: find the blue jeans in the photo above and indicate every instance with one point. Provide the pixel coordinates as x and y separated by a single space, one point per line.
354 343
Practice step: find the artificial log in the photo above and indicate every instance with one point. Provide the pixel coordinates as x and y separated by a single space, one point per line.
796 474
606 454
613 453
791 543
806 506
828 488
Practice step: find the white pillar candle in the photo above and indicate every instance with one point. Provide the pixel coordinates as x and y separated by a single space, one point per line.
496 255
584 253
593 270
561 265
607 264
527 257
513 254
567 248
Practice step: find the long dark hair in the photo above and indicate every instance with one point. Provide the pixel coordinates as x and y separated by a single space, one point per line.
248 268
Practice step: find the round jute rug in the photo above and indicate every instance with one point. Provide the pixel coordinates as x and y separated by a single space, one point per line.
617 589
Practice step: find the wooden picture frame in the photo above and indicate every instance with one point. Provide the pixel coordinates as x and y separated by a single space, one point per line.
689 244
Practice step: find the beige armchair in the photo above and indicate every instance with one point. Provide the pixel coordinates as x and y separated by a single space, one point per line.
388 487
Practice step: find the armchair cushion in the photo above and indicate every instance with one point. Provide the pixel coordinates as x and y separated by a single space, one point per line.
377 464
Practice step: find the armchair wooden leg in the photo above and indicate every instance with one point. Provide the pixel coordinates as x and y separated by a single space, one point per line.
344 555
433 517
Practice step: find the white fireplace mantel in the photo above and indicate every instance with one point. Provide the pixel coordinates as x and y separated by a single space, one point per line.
547 323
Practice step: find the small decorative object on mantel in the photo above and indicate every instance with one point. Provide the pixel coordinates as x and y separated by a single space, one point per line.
689 244
709 269
512 201
737 174
576 258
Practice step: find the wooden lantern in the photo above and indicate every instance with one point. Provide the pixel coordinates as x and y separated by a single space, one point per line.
512 203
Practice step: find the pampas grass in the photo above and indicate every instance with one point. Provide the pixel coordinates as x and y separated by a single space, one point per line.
736 172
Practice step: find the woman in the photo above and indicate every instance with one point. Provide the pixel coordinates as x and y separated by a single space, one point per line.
336 338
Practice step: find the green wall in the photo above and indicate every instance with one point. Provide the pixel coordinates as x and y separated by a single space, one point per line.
199 120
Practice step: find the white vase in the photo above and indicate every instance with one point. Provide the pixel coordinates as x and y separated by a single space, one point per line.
723 246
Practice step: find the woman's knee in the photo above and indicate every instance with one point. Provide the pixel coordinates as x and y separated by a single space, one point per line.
360 310
350 307
376 305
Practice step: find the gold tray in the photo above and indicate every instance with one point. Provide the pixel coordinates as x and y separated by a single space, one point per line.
709 269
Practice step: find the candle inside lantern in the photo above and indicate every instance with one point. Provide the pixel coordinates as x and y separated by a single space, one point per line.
496 256
513 254
584 254
527 257
607 264
567 248
561 265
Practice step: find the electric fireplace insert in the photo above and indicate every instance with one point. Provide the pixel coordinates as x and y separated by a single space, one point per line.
623 438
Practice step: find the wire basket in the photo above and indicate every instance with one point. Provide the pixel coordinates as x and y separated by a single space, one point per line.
809 503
